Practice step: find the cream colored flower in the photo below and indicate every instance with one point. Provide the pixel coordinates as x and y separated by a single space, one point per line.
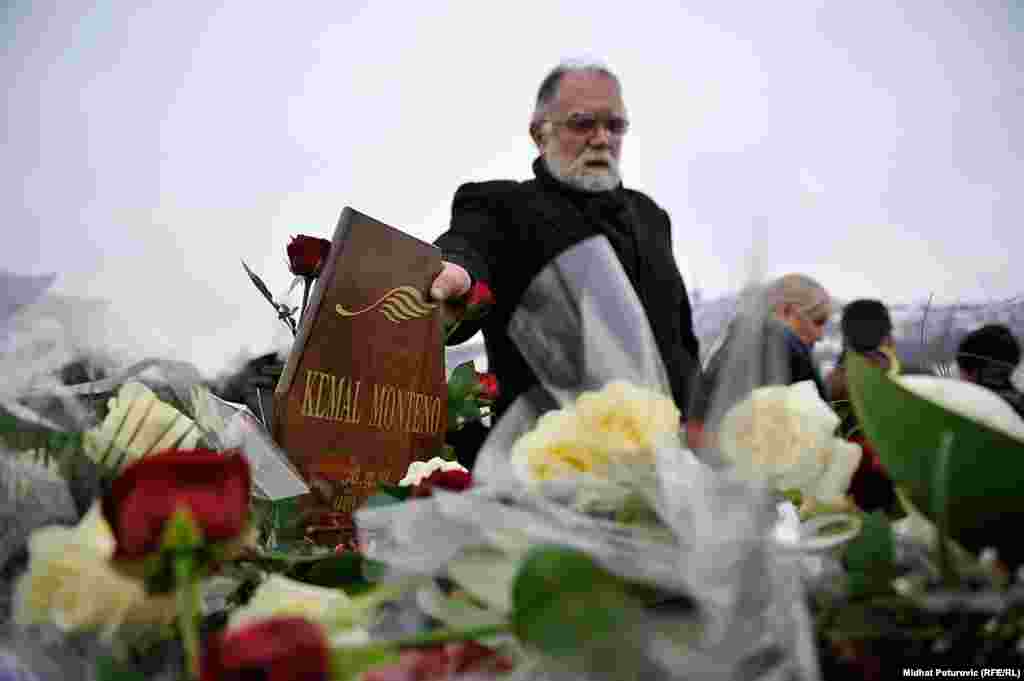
139 423
619 424
557 447
418 471
784 435
627 419
280 596
967 399
71 583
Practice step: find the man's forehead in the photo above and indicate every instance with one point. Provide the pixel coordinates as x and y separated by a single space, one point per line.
588 91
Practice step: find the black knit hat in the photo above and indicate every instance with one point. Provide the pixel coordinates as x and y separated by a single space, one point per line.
991 346
865 323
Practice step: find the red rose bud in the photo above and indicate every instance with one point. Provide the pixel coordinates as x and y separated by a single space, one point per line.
480 295
453 481
277 649
478 300
488 386
307 255
214 487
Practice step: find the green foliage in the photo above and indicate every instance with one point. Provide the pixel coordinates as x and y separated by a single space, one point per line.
346 571
109 669
869 558
281 522
563 602
47 445
463 387
348 664
978 498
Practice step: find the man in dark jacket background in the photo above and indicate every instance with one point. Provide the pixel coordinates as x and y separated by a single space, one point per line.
505 232
988 356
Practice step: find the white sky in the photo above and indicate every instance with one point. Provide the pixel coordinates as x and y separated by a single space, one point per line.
146 151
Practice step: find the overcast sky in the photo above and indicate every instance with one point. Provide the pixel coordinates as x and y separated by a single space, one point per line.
876 145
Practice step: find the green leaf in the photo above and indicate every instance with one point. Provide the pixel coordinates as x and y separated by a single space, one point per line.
983 470
344 571
259 284
463 381
396 491
467 409
869 557
109 669
564 601
381 499
348 664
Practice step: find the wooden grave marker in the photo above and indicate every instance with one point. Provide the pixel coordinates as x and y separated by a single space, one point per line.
363 391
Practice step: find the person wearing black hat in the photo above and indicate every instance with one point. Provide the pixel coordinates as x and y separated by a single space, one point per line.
988 356
867 329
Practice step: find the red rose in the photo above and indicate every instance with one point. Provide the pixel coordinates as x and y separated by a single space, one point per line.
488 386
453 481
307 255
442 662
215 487
479 297
277 649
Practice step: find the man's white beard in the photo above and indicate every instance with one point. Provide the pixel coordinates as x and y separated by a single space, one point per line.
576 174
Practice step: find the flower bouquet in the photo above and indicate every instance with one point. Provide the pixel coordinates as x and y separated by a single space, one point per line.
591 543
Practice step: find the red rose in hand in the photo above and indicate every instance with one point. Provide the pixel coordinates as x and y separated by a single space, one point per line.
278 649
453 481
442 662
480 295
307 255
215 487
478 301
488 386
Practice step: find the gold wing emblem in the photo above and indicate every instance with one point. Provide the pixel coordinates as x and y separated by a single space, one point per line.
397 305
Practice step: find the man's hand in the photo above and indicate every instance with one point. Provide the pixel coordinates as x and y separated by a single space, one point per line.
452 282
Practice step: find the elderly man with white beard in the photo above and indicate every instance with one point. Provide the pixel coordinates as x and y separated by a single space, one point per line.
505 232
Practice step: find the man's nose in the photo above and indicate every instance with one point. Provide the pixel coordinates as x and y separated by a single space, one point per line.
601 137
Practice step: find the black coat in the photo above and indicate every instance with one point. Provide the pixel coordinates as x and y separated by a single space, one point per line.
505 232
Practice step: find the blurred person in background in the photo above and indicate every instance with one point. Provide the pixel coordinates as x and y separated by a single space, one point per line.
988 356
867 329
769 342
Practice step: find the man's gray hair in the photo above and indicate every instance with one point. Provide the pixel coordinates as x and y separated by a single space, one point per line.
548 91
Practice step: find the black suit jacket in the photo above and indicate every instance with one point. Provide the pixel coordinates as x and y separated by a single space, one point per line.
505 232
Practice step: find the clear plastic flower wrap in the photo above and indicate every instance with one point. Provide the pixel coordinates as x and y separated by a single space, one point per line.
732 603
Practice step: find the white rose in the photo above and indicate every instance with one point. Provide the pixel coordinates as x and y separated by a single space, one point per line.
139 423
627 420
619 424
418 471
969 400
842 464
280 596
784 435
555 448
70 582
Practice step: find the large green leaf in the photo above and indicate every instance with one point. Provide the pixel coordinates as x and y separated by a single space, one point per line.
562 600
982 479
869 557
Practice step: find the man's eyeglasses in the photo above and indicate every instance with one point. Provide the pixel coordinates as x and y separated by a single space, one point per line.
586 123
